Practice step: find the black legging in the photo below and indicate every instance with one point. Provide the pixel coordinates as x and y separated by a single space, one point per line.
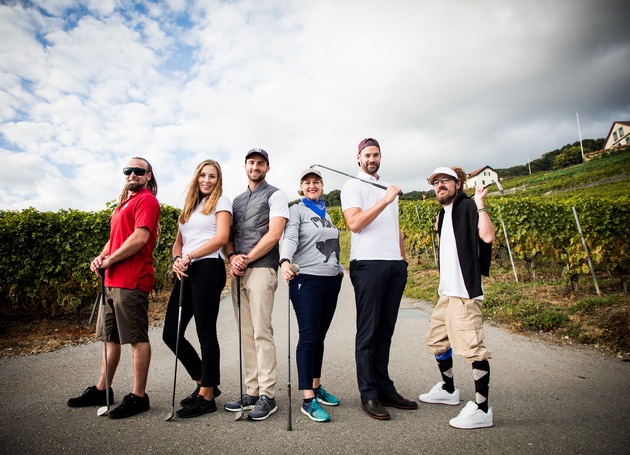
202 294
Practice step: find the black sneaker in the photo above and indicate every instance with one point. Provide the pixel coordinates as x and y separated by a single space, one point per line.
130 406
91 397
197 408
190 399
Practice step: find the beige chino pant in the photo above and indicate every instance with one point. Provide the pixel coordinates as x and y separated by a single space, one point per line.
457 323
258 287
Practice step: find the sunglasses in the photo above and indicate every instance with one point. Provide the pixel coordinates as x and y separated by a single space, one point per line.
436 182
136 170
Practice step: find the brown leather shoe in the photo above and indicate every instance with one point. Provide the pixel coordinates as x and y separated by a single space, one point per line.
374 409
396 401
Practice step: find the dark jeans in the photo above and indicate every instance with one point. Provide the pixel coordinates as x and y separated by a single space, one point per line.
378 288
314 300
202 294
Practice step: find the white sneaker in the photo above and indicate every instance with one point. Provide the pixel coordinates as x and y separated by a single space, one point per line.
472 417
438 395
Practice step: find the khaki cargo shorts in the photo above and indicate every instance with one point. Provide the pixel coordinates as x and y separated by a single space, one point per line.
457 323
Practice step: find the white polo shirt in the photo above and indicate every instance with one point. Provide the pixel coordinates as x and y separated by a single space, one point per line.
381 239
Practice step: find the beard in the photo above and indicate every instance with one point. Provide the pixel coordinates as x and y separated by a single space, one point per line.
134 186
367 170
257 178
447 197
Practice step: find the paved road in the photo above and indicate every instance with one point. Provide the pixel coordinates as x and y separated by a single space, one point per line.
546 399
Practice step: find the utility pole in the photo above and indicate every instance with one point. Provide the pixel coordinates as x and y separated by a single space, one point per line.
580 134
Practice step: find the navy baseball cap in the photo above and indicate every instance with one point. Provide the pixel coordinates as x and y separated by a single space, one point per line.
258 151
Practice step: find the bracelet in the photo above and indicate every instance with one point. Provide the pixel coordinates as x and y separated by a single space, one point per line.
175 258
481 210
231 254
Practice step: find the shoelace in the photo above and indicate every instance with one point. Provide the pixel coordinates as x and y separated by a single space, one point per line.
262 404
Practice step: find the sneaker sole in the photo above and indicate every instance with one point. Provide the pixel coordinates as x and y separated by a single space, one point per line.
124 416
273 411
471 427
429 400
245 408
313 418
327 403
200 413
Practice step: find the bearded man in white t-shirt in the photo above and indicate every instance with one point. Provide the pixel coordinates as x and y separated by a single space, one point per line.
466 234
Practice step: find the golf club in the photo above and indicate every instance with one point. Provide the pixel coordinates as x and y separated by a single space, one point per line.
295 269
239 415
179 324
103 410
378 185
499 186
98 299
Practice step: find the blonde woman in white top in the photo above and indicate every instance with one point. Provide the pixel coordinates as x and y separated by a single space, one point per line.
204 227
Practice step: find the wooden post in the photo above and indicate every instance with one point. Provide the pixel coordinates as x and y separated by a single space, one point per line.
588 255
507 242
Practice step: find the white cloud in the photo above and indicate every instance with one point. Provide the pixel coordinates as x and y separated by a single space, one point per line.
85 88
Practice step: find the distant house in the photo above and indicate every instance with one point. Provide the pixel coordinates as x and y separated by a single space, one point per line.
483 176
619 135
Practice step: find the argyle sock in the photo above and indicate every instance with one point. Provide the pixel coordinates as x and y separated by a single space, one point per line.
481 374
445 364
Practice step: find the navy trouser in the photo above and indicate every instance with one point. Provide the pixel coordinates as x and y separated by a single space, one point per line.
314 300
378 288
202 294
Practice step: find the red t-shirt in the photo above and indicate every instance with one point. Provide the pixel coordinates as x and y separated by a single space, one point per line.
142 209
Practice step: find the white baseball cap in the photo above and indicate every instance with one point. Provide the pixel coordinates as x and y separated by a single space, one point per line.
442 170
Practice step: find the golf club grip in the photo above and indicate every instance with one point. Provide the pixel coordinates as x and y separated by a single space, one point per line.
378 185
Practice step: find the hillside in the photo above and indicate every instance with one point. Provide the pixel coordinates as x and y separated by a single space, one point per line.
597 177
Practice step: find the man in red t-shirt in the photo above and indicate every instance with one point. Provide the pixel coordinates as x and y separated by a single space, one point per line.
128 260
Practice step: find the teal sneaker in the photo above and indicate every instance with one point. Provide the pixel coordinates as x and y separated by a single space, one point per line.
326 398
314 412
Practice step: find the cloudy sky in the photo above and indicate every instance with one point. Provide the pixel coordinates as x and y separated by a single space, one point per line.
84 85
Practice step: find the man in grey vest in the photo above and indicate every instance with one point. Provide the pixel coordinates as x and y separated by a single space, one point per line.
258 219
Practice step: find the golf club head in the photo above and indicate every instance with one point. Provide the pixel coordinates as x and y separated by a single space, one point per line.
239 414
103 410
499 186
295 268
169 416
313 165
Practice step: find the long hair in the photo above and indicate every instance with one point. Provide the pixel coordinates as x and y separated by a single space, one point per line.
151 184
195 196
461 176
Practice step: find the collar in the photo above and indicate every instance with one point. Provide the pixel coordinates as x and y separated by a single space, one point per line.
365 176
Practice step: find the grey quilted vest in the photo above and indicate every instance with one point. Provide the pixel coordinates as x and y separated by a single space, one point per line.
250 222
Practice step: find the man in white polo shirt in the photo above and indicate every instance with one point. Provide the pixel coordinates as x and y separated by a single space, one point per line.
378 271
